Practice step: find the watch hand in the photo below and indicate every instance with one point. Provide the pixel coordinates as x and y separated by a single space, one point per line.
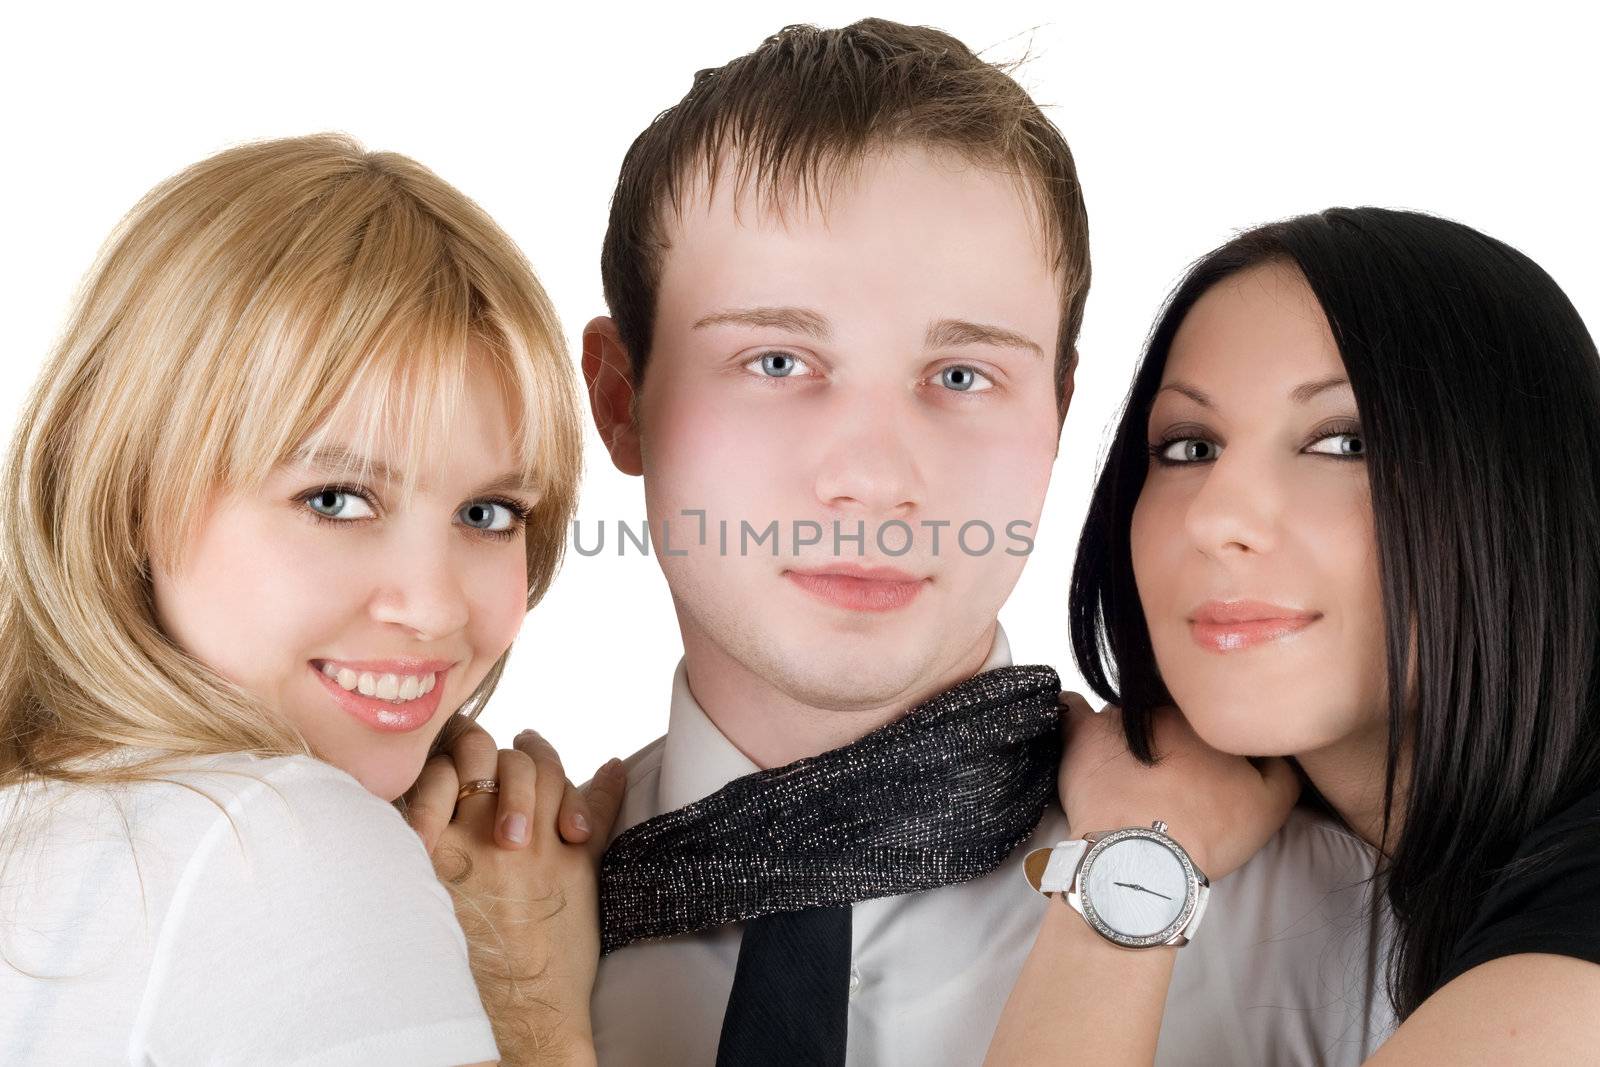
1142 889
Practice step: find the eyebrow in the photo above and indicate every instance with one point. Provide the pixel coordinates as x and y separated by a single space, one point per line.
794 319
1300 394
337 459
953 333
946 333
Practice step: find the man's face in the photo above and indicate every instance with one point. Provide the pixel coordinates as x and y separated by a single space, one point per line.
881 364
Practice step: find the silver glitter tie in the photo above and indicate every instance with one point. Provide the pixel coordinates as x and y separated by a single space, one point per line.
939 796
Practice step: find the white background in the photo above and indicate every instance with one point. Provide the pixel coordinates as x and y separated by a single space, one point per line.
1188 121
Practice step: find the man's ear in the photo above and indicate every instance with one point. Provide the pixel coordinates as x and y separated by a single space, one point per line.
1068 383
608 379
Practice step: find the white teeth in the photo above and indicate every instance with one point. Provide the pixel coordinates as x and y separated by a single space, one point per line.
393 687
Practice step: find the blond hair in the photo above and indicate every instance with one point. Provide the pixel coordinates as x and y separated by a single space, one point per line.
241 308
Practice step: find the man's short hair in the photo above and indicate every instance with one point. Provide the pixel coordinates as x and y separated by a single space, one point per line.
812 103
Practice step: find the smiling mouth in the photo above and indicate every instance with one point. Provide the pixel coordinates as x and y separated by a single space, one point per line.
386 701
382 686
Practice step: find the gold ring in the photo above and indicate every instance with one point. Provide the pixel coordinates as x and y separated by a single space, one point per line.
482 785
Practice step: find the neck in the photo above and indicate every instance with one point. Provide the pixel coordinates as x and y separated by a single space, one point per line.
774 726
1350 774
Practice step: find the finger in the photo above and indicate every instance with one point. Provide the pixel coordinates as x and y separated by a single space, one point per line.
514 815
573 820
552 777
476 757
603 793
431 800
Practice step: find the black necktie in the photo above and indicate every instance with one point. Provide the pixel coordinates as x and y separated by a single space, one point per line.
939 796
790 999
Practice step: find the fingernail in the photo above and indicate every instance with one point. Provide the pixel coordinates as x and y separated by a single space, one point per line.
613 765
515 828
524 733
580 821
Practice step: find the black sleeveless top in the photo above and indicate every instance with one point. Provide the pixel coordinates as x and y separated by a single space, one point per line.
1552 908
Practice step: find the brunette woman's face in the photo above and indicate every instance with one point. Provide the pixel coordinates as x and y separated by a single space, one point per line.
363 618
1252 540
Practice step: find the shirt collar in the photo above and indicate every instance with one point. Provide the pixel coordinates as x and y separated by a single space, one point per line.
697 759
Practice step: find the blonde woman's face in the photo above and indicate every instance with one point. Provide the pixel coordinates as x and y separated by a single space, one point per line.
363 618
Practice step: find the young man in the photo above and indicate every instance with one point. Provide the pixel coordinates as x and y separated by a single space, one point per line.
846 275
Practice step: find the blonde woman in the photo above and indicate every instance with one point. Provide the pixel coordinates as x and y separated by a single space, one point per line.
272 517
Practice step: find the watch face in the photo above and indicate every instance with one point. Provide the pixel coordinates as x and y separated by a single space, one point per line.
1135 889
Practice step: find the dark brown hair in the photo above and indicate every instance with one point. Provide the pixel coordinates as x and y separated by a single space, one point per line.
1477 387
809 103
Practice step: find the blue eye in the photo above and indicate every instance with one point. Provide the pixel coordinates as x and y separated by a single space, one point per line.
495 518
335 503
964 379
481 515
779 365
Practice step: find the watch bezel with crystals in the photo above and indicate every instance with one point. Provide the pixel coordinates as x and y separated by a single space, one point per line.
1039 864
1082 900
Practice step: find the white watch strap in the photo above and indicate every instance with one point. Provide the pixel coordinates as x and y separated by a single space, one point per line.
1193 924
1063 866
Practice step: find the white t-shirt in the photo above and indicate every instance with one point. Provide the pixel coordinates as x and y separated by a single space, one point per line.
297 920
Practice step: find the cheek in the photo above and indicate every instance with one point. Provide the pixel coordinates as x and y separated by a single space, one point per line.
1332 524
702 449
253 598
496 585
1154 536
1344 539
999 466
994 485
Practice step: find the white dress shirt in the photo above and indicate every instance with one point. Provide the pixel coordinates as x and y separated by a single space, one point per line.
1284 970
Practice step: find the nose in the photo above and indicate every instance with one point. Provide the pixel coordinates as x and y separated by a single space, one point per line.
420 589
1238 506
868 464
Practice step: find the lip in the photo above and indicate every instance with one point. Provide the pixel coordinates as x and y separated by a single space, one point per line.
855 587
1236 625
397 665
382 715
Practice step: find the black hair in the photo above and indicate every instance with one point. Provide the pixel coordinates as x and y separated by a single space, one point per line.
1478 389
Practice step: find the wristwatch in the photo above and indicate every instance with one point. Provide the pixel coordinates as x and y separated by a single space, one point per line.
1136 886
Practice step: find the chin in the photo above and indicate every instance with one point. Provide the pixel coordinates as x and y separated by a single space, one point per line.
1257 727
385 778
388 783
859 673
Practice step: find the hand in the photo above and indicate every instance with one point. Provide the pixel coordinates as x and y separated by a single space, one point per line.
530 911
1220 808
429 810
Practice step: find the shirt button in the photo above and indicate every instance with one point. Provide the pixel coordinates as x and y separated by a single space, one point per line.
855 982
